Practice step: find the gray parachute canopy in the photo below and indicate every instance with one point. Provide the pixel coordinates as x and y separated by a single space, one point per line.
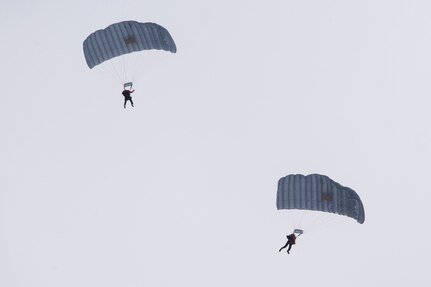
318 192
124 38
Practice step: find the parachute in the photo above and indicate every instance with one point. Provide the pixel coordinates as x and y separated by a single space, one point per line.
124 38
320 193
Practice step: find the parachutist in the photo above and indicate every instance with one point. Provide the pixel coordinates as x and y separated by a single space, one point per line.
290 241
126 93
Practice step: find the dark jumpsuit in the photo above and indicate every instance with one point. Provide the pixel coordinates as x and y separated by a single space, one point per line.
127 97
290 241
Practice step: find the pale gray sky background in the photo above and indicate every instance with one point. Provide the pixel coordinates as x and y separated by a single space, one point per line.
180 190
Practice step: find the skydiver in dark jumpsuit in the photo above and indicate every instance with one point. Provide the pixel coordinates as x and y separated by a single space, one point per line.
290 241
127 97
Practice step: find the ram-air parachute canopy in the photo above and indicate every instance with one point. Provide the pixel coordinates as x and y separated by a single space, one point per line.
124 38
320 193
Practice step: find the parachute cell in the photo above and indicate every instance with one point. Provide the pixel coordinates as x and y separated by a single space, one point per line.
124 38
320 193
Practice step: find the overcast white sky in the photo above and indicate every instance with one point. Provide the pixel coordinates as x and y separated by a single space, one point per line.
180 190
